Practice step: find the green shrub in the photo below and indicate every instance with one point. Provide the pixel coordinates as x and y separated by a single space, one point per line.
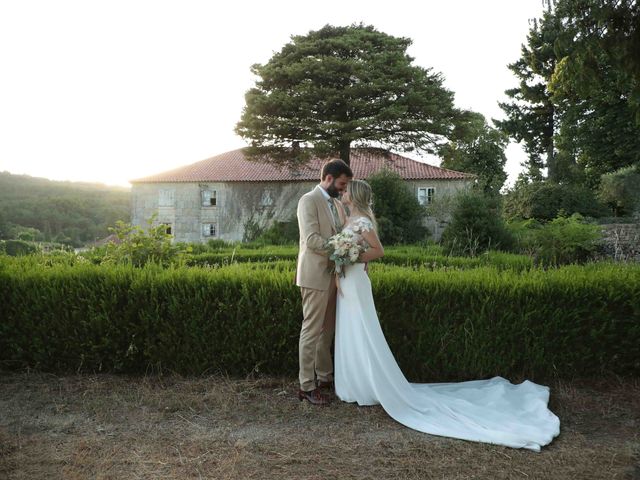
476 226
252 230
545 200
137 247
563 240
525 234
16 248
27 234
397 210
442 325
567 240
217 244
620 190
280 233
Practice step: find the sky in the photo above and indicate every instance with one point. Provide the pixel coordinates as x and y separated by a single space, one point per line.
110 91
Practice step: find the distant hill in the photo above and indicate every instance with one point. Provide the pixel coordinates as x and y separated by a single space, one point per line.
74 213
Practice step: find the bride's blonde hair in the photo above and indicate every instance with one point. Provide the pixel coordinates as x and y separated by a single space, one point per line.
362 199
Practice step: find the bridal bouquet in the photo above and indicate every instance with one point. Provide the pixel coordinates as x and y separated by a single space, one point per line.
343 250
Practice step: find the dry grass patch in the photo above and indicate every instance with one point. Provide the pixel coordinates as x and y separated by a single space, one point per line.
118 427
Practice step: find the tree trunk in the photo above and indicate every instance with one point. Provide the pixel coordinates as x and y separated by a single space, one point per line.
345 151
552 167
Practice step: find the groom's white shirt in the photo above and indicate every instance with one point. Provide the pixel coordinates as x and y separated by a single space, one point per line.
324 192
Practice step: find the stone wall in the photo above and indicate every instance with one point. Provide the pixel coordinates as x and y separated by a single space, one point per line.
622 241
242 205
237 205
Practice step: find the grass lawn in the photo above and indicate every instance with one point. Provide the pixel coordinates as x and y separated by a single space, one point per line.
171 427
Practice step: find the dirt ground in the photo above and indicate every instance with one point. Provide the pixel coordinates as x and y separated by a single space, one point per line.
170 427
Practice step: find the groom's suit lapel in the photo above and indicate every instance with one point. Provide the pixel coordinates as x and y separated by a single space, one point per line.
323 208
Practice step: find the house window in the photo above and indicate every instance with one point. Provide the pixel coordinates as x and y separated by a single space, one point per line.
167 228
267 198
166 197
425 195
209 230
209 198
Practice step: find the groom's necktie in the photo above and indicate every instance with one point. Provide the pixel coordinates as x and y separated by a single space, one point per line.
334 212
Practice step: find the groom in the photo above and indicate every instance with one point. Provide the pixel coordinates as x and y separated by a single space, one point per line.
320 215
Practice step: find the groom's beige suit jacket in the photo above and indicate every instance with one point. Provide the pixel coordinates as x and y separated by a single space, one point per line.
316 226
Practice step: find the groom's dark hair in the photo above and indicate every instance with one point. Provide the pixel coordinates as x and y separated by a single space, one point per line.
335 168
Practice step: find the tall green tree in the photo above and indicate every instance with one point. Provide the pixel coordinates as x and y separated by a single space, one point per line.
601 33
479 149
341 87
574 101
596 84
598 129
531 115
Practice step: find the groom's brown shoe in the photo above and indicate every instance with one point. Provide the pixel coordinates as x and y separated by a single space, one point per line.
326 386
314 397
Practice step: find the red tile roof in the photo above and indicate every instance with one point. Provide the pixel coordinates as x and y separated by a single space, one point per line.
234 167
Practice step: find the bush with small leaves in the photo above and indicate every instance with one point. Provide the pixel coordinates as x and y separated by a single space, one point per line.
476 226
137 247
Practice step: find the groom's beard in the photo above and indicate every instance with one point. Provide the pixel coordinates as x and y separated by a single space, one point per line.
332 190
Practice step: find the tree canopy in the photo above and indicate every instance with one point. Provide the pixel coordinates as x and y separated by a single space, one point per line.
603 36
531 114
477 148
339 87
575 100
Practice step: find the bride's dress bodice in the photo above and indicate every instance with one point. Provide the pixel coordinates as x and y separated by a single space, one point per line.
356 226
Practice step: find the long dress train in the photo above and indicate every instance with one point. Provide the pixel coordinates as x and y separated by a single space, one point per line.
491 411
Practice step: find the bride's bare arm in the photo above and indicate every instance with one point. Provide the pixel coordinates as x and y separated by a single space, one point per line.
376 250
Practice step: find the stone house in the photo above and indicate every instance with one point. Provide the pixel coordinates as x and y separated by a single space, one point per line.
226 195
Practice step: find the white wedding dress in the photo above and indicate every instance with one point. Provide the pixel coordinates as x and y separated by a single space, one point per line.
491 411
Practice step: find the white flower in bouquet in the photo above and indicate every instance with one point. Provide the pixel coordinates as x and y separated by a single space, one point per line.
343 250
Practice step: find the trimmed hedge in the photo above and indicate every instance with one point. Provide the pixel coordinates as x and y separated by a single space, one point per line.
442 325
409 257
499 260
228 258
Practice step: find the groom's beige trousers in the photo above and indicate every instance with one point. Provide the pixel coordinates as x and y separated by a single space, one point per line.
316 335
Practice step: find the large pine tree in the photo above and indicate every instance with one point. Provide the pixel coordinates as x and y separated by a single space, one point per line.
341 87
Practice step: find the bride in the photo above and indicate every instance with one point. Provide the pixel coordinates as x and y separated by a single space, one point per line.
491 411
